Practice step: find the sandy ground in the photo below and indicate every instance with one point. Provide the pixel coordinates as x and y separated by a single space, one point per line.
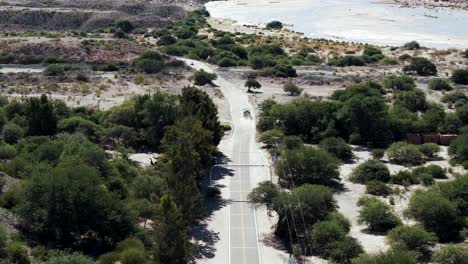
432 3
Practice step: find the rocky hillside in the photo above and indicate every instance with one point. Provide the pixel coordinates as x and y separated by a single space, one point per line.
89 14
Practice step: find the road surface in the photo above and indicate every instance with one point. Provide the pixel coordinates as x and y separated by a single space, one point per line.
237 223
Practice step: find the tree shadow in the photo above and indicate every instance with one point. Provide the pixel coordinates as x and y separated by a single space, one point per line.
271 240
205 241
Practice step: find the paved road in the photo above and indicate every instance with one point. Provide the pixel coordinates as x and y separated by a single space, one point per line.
243 224
236 223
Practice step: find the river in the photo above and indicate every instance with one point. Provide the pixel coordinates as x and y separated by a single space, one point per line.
362 21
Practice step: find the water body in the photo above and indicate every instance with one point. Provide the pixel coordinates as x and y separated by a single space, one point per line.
362 21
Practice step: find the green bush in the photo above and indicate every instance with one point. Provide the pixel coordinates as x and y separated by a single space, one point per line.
125 25
413 100
378 188
377 215
18 254
337 147
292 89
378 153
405 178
388 61
412 45
133 256
430 150
7 152
54 70
413 238
390 257
348 61
404 154
149 62
73 258
274 25
284 71
421 66
202 77
399 83
451 254
12 133
371 170
460 76
459 148
440 84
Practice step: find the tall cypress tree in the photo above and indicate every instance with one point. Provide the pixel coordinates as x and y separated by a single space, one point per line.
172 244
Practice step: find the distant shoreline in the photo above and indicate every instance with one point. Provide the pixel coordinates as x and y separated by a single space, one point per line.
459 4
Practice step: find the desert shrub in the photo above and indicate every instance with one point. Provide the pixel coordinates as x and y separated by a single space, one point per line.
413 100
12 133
292 89
413 238
451 254
119 33
399 83
404 57
378 153
456 97
460 76
440 84
166 40
371 170
292 142
271 137
412 45
436 213
459 148
125 25
202 77
54 70
404 178
18 253
348 61
378 188
388 61
377 215
53 59
389 257
325 233
462 113
308 165
421 66
343 251
465 54
430 150
337 147
67 258
7 152
6 58
274 25
284 71
149 62
404 154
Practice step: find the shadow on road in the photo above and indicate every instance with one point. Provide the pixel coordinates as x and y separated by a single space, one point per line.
204 237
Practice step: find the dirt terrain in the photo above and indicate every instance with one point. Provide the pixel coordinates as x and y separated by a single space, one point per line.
434 3
62 15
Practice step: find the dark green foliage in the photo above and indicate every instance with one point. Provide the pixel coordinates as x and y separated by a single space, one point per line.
378 153
429 150
125 25
440 84
412 45
371 170
413 238
436 213
91 208
456 97
119 33
198 104
54 70
202 77
72 258
307 165
421 66
316 203
404 154
377 215
149 62
414 100
405 178
252 84
12 133
41 115
451 254
399 83
7 152
389 257
274 25
173 246
264 194
459 148
462 113
337 147
348 61
378 188
284 71
167 40
292 89
345 250
460 76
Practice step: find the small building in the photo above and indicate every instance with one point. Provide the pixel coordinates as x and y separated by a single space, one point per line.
436 137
